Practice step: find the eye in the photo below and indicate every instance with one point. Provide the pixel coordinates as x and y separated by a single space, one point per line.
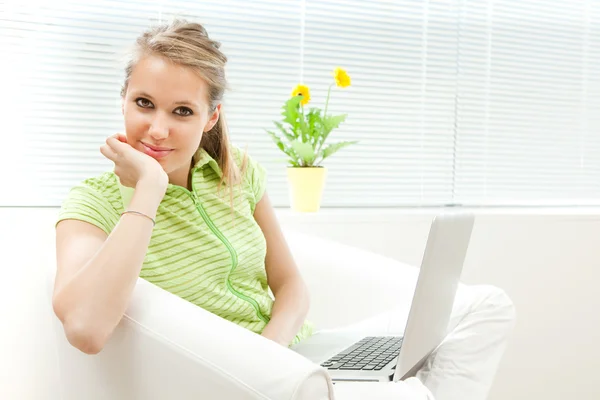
144 103
183 111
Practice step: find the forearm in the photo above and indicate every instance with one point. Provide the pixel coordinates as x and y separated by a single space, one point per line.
94 300
289 312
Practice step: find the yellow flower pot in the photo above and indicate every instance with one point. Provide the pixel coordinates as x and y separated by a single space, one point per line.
306 186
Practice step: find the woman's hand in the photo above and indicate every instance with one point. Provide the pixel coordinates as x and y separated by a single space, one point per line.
132 166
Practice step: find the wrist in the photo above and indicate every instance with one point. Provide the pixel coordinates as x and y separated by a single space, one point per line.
152 186
147 197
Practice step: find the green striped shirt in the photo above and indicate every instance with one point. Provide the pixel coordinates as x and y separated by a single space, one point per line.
201 249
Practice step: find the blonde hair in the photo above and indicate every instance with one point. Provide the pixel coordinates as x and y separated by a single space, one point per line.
187 44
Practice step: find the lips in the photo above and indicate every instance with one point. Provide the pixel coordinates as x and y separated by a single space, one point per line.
155 151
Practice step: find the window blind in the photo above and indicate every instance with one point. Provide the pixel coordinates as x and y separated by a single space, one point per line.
458 101
65 75
528 103
401 57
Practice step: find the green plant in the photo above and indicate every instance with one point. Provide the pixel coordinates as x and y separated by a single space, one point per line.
302 135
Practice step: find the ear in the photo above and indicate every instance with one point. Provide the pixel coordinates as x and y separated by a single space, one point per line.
214 118
123 105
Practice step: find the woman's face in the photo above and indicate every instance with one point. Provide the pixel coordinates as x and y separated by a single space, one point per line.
166 111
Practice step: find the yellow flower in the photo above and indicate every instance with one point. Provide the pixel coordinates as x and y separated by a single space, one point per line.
303 91
342 79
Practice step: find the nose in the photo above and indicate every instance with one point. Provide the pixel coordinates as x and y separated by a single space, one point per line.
159 127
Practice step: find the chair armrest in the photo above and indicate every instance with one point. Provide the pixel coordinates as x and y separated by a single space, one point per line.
348 284
167 348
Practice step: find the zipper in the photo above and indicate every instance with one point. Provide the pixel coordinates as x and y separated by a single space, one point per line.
232 253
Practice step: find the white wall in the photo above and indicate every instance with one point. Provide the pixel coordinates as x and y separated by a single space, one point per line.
547 260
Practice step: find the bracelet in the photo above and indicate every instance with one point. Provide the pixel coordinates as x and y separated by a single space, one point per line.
139 213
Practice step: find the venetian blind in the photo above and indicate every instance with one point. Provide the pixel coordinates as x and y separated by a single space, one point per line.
457 101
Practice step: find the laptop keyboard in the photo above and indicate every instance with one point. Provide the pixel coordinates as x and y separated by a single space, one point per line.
370 353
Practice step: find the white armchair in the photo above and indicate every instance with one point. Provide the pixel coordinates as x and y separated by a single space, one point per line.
168 348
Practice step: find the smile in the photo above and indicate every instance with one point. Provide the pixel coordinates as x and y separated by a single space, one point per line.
155 151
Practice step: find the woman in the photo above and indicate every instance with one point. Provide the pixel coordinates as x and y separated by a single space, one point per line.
214 221
188 212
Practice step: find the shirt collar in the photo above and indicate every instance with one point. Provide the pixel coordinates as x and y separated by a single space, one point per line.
205 159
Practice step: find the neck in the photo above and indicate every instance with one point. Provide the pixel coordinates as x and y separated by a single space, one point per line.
181 177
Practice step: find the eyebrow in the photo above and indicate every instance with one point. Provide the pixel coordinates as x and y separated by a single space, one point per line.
182 102
187 103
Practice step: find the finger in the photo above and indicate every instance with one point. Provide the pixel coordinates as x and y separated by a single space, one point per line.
121 138
116 145
108 152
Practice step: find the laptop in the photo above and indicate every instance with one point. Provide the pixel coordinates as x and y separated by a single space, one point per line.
392 358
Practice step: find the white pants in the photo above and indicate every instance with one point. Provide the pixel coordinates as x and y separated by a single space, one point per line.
463 366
